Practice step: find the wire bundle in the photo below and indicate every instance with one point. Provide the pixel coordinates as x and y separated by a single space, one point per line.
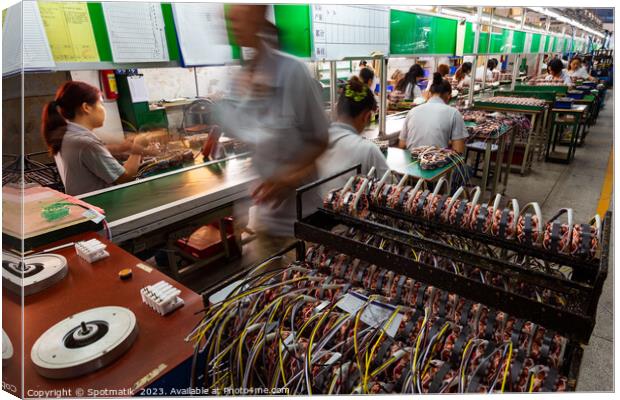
516 101
333 330
172 159
432 157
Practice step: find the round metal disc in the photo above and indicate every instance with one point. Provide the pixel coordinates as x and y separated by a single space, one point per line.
67 350
36 273
7 348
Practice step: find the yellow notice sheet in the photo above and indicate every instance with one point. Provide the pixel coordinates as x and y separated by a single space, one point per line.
69 31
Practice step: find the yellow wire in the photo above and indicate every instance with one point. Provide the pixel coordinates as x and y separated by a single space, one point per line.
531 383
507 365
443 330
463 360
311 341
417 346
372 351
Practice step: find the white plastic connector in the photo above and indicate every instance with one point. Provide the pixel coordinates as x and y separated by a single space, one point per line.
91 250
161 297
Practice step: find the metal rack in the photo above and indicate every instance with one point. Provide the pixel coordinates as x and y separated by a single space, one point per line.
575 319
33 171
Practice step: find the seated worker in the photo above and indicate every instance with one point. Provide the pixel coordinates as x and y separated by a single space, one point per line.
577 70
84 162
409 83
367 76
557 72
491 64
435 123
444 70
461 76
346 147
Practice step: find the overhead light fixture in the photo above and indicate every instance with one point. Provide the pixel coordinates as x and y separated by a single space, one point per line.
561 18
460 14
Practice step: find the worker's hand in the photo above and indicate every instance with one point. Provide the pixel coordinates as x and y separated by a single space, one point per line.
139 145
273 191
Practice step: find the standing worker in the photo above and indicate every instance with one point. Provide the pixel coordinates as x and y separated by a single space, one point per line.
84 163
277 108
435 123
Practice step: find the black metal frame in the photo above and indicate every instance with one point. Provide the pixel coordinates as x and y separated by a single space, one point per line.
33 171
587 281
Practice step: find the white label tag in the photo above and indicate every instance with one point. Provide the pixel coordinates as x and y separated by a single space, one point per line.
93 215
375 315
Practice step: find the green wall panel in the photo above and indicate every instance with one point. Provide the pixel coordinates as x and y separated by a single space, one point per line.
100 30
483 41
412 33
171 32
293 22
518 42
497 40
535 46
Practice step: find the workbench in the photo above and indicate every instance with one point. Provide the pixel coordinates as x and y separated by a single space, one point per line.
560 119
401 162
393 125
535 135
495 144
159 210
590 101
157 360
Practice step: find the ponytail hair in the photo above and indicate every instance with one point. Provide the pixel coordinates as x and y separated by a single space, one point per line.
440 86
355 99
69 98
465 68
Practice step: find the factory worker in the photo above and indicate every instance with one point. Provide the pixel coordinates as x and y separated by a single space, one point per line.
557 72
409 83
277 108
461 76
491 64
435 123
444 70
84 162
367 76
577 70
346 147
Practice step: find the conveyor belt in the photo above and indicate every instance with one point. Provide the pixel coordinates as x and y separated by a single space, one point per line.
142 206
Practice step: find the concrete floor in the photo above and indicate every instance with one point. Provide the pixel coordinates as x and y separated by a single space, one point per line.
578 185
553 186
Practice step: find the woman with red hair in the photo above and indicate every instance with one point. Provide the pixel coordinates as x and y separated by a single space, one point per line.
84 162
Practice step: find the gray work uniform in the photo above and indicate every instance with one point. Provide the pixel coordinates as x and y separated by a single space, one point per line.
283 117
84 163
347 148
433 123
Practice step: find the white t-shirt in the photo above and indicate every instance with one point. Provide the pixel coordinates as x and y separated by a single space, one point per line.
480 72
412 92
580 73
564 77
347 148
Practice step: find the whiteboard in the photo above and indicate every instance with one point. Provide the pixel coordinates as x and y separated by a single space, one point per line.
349 31
201 29
136 31
32 48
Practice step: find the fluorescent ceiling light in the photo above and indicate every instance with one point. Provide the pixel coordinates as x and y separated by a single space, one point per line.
561 18
454 13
